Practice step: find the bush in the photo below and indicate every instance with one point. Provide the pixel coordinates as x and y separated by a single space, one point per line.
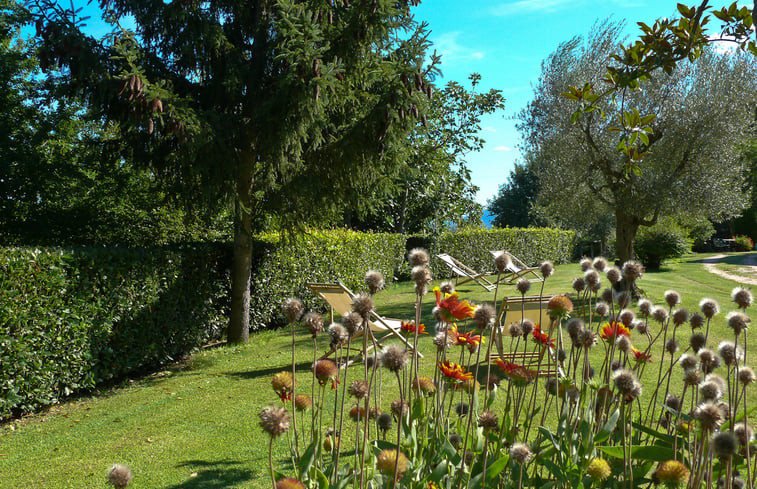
743 243
282 267
72 318
661 242
532 245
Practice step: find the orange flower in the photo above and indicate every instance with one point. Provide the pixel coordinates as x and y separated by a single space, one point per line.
559 306
641 356
542 338
517 374
454 372
410 327
452 308
610 331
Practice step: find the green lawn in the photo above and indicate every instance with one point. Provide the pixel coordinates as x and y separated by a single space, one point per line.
195 425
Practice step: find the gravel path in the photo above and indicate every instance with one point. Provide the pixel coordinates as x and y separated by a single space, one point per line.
749 269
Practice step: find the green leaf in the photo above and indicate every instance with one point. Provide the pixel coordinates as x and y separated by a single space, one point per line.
307 459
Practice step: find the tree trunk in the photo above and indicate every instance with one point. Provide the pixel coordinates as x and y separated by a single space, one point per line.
625 231
239 323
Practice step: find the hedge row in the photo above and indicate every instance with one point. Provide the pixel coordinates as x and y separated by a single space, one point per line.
70 318
283 266
532 245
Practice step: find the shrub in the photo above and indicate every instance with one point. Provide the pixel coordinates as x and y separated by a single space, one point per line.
283 266
532 245
74 317
661 242
743 243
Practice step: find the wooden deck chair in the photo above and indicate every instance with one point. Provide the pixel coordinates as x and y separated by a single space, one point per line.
517 269
464 272
513 310
339 298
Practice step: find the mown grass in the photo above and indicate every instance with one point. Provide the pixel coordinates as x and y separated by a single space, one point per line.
195 425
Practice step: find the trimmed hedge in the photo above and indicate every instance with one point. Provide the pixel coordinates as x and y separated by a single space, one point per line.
282 267
70 318
532 245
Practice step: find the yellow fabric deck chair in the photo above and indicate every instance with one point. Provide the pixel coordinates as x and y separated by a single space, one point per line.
513 310
465 273
517 269
339 298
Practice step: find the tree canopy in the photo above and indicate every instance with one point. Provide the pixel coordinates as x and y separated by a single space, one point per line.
694 119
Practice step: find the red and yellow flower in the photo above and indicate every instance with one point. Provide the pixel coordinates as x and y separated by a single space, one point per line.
517 374
611 331
542 338
454 372
641 356
410 327
452 308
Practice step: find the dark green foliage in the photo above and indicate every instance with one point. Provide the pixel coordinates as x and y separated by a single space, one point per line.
743 243
661 242
71 318
512 204
532 245
283 267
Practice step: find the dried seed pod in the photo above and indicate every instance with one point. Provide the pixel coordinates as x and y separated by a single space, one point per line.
418 81
316 92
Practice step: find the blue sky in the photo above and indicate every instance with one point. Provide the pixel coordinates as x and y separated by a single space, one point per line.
505 41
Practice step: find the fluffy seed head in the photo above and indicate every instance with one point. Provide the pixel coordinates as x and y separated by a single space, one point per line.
274 420
709 307
523 286
374 280
641 326
338 334
120 475
586 264
709 415
623 299
394 358
302 402
724 444
314 323
574 326
742 297
399 407
488 421
625 381
292 309
613 275
645 307
289 483
579 284
492 381
680 316
515 330
673 402
362 304
358 389
720 381
738 322
521 453
527 326
696 320
546 269
447 287
607 296
502 261
384 422
444 340
587 338
672 473
461 408
709 391
688 361
697 342
744 433
599 469
659 314
672 298
671 346
418 256
602 309
729 352
626 317
352 321
456 441
599 264
623 343
746 375
421 274
633 270
706 356
692 377
389 460
483 315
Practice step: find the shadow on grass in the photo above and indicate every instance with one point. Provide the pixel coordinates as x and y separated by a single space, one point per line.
215 475
254 374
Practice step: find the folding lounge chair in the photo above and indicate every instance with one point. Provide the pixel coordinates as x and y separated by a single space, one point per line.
517 269
514 310
466 273
339 298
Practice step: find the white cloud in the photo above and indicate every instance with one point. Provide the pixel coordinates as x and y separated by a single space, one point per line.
502 148
449 47
489 129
